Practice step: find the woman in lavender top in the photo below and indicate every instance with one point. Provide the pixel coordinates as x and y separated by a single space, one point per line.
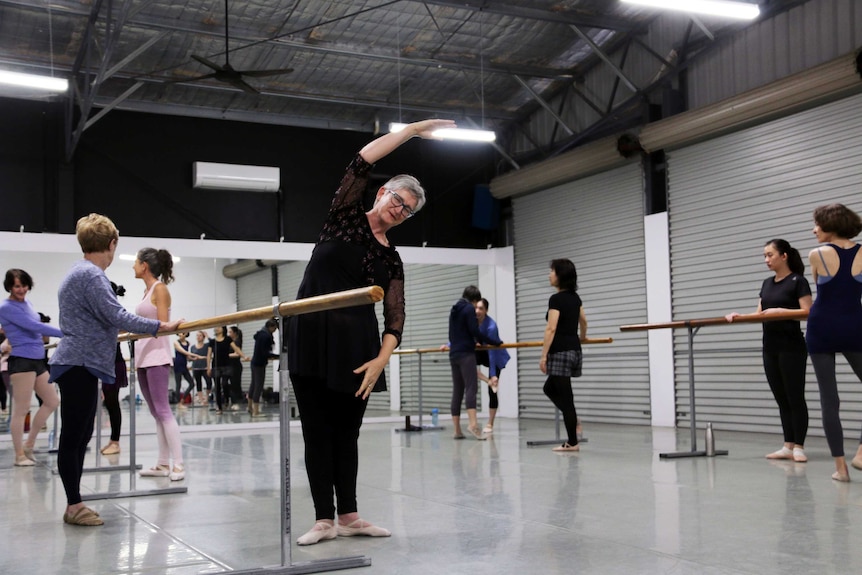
90 318
27 368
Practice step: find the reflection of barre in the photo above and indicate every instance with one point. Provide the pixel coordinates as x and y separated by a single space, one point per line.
348 298
742 318
588 341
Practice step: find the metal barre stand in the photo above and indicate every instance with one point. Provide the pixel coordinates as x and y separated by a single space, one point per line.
98 468
287 566
132 467
558 438
407 426
692 330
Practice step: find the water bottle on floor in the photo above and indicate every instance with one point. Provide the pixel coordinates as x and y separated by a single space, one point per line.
435 416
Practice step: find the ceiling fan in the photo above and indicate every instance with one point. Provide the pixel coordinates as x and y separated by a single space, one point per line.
226 73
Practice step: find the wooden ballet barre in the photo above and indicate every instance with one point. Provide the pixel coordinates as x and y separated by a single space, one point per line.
342 299
693 326
588 341
742 318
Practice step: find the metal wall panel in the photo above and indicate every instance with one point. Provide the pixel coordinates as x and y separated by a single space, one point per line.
430 292
810 34
727 197
597 222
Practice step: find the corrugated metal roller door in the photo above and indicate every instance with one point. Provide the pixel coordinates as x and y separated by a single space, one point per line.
252 291
597 222
430 291
727 197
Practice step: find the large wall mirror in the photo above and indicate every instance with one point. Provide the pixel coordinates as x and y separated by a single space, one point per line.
435 279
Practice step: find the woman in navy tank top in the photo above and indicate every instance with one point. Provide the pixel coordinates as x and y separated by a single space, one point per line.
835 320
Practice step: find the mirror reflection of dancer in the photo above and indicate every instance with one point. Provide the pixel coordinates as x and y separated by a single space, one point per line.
200 366
182 355
561 348
153 359
494 359
111 394
28 370
835 320
90 315
784 353
336 357
263 342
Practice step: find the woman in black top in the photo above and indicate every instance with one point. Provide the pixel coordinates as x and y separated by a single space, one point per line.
784 352
218 358
561 349
336 357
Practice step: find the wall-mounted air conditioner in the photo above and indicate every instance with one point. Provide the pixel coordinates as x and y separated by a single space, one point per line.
211 176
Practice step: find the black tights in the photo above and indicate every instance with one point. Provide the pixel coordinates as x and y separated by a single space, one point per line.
202 374
221 375
824 369
179 376
79 390
330 427
785 372
559 390
111 402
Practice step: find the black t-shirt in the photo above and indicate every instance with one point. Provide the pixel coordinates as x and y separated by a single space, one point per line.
566 338
221 351
785 293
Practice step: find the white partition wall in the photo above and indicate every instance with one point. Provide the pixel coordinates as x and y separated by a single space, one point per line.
598 223
727 197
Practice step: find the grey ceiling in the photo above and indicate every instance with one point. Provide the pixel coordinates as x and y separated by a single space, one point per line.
356 64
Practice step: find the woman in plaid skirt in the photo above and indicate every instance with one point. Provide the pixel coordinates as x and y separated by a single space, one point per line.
561 352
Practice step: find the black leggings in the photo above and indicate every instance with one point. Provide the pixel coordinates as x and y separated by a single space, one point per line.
465 381
179 376
221 375
330 427
4 385
824 369
79 391
202 373
785 372
111 402
494 401
559 390
258 376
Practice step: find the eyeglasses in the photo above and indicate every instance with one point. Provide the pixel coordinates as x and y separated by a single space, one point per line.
399 203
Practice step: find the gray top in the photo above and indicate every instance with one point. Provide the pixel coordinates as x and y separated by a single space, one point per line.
90 319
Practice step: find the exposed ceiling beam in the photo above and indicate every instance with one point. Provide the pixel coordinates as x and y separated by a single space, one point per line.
150 23
560 17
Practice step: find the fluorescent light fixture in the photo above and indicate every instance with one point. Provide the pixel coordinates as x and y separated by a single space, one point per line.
454 133
725 8
33 81
133 257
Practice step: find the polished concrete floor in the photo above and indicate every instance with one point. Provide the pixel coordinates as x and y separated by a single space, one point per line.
454 507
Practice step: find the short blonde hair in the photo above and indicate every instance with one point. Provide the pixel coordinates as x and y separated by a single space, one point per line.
95 233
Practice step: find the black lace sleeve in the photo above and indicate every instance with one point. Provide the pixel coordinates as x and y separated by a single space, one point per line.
352 184
393 308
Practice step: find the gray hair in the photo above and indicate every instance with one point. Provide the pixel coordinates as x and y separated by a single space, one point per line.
409 183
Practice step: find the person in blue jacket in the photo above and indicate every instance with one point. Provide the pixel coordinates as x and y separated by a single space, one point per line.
464 334
494 359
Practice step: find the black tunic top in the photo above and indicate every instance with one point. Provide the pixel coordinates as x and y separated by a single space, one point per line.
329 345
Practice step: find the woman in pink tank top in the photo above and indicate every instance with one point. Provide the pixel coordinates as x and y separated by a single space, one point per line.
153 360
